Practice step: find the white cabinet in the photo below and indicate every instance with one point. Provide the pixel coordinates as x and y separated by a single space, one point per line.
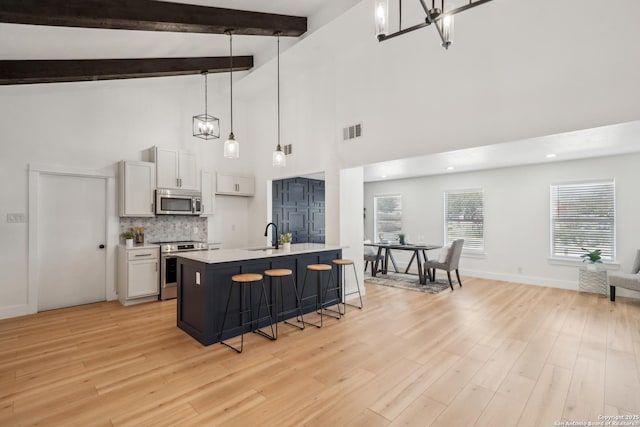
137 181
235 185
208 190
138 279
175 169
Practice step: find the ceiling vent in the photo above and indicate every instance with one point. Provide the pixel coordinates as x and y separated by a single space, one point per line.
352 132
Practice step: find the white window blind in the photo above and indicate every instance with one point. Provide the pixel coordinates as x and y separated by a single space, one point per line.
464 218
583 216
387 216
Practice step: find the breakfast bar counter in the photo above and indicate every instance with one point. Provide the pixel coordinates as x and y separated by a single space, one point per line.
204 283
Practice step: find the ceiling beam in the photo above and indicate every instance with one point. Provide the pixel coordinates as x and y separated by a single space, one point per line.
148 15
55 71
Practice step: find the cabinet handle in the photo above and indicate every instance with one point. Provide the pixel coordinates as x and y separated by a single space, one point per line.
156 267
141 255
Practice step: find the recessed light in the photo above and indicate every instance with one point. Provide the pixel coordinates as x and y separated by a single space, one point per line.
450 168
550 156
383 176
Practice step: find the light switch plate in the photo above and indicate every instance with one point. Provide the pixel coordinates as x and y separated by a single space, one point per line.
16 218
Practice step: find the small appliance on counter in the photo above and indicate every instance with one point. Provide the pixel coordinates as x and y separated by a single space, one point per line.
168 265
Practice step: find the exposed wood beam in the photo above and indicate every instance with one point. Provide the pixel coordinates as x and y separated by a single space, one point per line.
148 15
52 71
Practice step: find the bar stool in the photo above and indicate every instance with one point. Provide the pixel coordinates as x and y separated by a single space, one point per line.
279 302
244 281
320 297
341 263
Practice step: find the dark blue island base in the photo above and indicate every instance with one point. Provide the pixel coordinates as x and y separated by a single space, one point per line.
200 307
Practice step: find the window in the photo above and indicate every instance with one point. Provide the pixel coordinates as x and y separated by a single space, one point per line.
464 218
583 216
387 216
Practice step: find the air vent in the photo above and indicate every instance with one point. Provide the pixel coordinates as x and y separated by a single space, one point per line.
288 149
352 132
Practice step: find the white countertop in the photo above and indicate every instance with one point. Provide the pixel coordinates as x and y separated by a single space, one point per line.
231 255
141 246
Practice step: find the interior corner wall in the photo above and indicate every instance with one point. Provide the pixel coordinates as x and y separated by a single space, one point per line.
517 216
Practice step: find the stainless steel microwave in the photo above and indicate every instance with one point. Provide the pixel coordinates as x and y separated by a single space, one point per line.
178 202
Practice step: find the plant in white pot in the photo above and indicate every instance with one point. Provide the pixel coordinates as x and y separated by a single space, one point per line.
128 238
285 240
593 258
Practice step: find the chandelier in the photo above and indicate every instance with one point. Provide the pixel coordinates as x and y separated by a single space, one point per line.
441 17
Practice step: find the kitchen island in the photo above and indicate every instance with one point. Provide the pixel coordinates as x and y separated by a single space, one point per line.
204 282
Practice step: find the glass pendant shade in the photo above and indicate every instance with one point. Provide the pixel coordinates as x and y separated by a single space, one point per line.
381 11
279 159
231 147
447 30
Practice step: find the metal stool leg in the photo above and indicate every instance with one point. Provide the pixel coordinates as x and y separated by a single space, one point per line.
224 320
324 300
304 285
258 331
351 293
298 304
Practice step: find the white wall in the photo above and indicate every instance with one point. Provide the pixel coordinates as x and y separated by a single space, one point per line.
93 125
516 202
515 71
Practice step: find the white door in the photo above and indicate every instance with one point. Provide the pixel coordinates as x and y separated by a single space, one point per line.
71 229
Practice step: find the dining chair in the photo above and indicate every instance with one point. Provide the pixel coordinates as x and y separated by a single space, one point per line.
449 264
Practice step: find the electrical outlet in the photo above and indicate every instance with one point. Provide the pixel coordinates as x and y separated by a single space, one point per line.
16 218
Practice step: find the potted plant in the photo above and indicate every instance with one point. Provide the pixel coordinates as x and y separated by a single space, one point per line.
592 258
128 238
285 240
401 238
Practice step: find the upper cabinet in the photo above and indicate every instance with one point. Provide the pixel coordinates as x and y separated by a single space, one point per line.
175 169
137 182
235 185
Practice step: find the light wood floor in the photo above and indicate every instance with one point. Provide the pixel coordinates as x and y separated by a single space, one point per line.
488 354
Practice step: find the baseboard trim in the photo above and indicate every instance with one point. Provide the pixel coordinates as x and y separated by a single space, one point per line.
15 311
527 280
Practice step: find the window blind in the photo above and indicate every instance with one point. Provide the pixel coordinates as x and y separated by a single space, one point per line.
583 216
464 218
388 216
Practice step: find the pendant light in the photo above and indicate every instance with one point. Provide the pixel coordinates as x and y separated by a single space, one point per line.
204 125
279 159
231 146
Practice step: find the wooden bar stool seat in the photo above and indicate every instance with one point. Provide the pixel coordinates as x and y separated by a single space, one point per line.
278 303
244 281
341 263
320 297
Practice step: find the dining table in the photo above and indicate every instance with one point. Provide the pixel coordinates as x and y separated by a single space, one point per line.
419 255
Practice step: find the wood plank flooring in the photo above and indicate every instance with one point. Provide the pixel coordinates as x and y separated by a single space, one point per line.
488 354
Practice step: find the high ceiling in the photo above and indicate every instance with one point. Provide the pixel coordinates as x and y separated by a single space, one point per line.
46 42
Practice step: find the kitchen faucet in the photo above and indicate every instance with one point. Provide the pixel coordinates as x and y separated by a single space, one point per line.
276 232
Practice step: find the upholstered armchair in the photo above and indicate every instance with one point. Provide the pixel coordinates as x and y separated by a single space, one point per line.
627 281
448 264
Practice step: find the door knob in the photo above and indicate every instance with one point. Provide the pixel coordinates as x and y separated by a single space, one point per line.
101 246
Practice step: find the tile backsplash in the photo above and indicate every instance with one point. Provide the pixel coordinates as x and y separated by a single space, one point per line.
169 228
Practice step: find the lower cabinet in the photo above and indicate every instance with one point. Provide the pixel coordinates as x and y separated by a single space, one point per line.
138 270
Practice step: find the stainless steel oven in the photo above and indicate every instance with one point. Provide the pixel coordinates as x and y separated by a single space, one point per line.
169 266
